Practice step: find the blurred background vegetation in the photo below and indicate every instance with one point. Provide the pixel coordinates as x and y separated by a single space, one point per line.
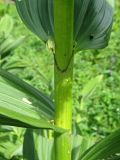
96 105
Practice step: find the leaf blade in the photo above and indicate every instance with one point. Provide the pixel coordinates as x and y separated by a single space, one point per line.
107 148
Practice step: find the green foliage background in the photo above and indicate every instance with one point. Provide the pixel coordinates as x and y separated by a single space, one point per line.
34 63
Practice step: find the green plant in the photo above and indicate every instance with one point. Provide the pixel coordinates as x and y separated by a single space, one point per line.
7 42
64 43
11 139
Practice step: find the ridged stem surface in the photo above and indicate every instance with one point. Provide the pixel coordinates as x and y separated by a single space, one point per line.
63 71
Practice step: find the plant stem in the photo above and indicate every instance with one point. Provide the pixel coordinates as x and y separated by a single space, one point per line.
63 67
63 112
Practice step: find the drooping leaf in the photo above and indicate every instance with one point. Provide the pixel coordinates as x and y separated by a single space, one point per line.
92 21
29 90
22 105
108 148
33 17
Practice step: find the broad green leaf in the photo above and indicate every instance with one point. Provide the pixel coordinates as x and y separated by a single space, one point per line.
80 145
41 147
92 21
29 90
28 152
33 17
108 148
22 105
22 111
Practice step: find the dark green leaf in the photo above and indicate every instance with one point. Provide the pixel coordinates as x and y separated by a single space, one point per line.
108 148
92 21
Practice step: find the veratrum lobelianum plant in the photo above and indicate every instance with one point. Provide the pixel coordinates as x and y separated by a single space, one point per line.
67 27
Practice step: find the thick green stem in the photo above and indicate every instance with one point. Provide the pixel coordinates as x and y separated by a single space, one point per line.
63 97
63 22
63 65
63 111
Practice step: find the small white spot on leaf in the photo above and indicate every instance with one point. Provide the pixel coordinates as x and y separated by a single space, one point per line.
26 101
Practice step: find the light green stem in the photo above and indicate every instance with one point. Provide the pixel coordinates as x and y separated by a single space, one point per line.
63 67
63 112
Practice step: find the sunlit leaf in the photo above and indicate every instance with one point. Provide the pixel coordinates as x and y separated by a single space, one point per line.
19 108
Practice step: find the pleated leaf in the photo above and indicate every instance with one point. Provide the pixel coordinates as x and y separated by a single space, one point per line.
38 16
22 105
92 21
82 148
80 145
41 147
107 149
